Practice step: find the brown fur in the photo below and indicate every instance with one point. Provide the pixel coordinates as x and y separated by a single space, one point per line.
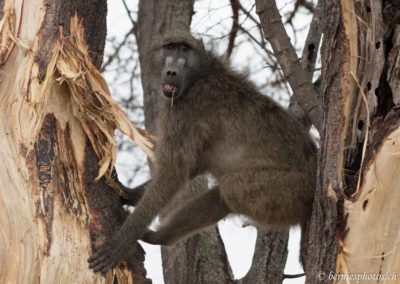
264 162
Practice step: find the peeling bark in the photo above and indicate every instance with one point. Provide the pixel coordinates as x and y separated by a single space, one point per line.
59 13
369 244
44 151
322 234
55 199
355 226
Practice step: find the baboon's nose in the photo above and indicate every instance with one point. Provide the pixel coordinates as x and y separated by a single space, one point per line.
171 73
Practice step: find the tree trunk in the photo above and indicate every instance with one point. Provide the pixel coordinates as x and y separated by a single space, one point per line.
58 122
355 224
354 227
269 258
202 258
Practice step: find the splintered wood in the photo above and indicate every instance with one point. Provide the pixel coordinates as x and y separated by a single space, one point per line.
46 120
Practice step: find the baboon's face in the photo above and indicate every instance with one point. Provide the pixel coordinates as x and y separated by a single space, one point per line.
180 69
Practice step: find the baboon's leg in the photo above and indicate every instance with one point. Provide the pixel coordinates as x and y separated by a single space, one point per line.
198 213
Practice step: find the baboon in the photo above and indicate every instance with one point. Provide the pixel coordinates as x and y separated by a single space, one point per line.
213 120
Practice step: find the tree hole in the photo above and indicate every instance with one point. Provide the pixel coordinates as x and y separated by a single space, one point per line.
365 203
377 92
378 44
360 125
369 86
311 51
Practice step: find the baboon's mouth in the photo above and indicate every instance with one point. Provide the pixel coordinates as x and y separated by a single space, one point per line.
169 89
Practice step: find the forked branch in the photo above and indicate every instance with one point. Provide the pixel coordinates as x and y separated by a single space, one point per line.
275 33
308 59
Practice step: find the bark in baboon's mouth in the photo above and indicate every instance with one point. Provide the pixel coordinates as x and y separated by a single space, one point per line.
169 89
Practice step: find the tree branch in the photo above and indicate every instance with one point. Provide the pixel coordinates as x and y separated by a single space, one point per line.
128 12
261 43
308 59
235 27
275 33
269 258
311 46
300 3
113 56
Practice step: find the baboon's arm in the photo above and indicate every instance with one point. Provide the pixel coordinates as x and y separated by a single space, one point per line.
166 182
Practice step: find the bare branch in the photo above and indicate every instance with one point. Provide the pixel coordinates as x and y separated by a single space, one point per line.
309 57
134 23
128 11
286 55
235 27
252 38
248 14
262 44
311 45
300 3
133 31
113 56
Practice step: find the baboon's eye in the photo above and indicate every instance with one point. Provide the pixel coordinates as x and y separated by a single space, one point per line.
185 47
169 46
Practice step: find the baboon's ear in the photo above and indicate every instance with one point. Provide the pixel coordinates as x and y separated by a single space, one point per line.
200 44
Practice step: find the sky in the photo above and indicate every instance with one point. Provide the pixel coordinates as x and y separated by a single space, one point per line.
211 20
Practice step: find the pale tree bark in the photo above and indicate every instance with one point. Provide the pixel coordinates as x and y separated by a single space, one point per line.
58 120
355 226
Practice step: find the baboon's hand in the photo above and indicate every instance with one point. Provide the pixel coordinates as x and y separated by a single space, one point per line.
109 255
